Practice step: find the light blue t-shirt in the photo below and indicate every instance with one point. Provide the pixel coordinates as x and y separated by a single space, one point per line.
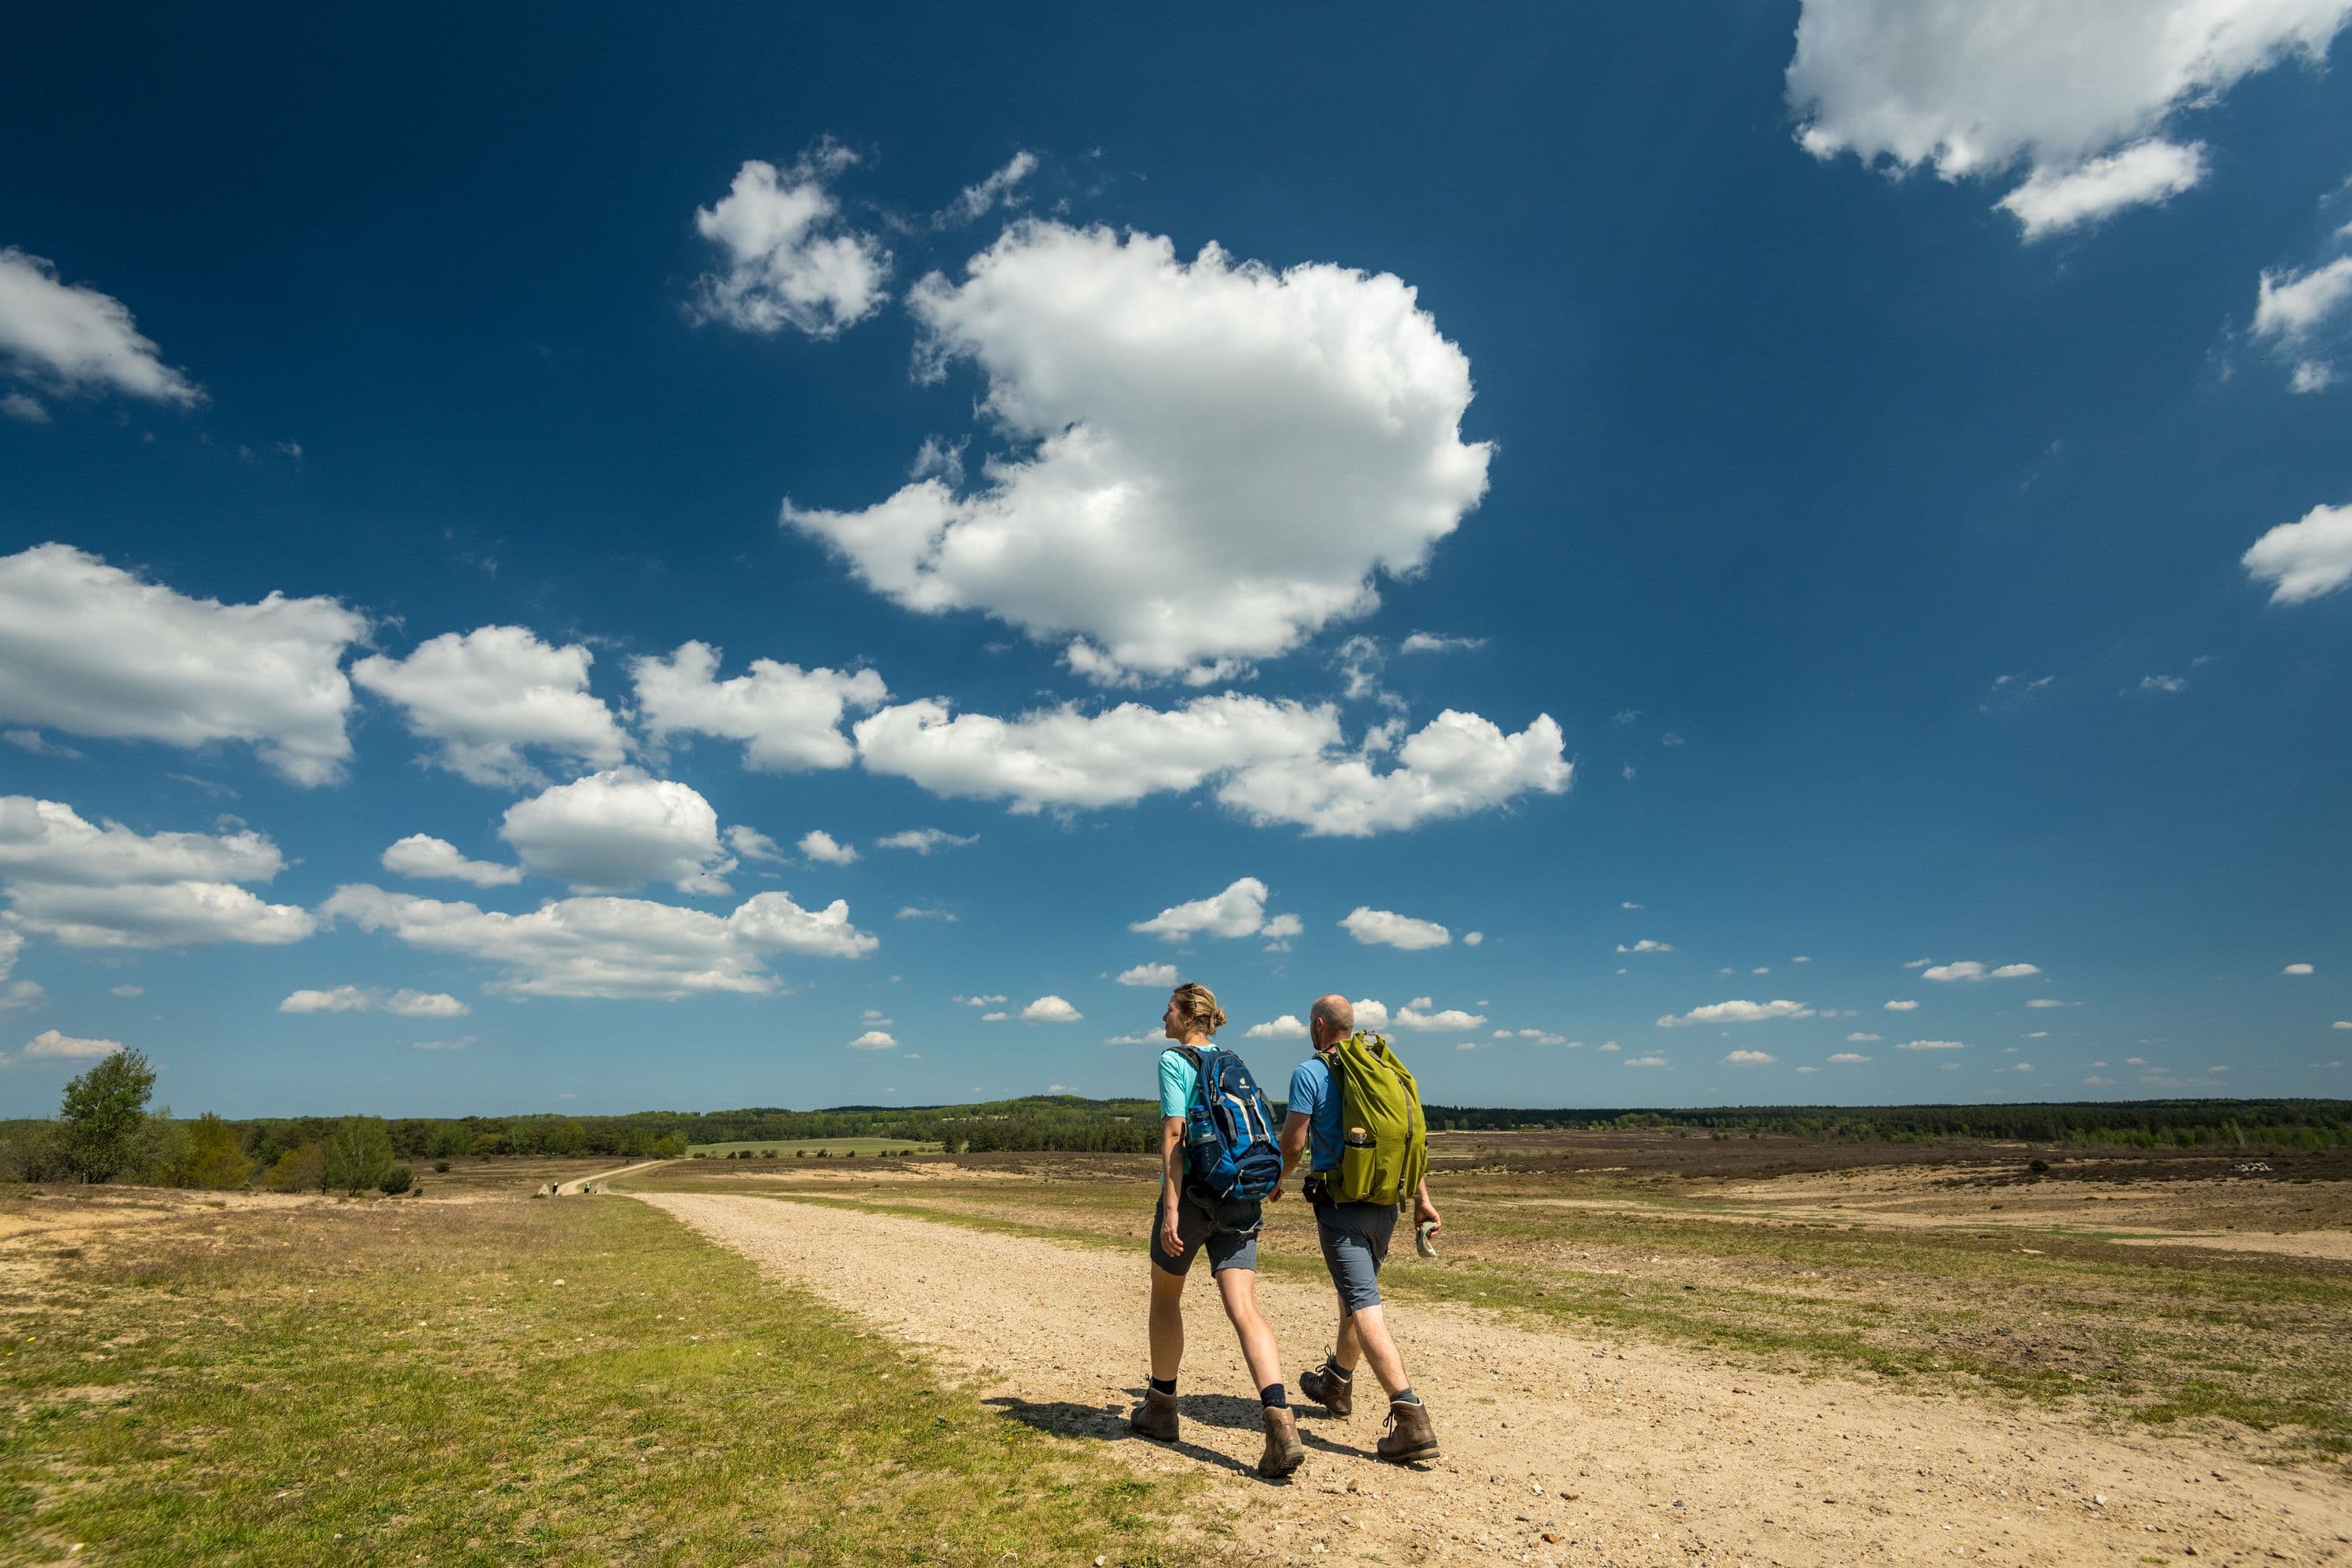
1314 1094
1177 1078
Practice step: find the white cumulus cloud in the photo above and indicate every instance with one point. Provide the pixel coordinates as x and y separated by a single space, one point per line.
611 947
1423 1013
1969 969
790 258
872 1040
1302 430
1154 974
1902 1007
1750 1058
1371 1017
1050 1010
89 649
753 844
48 1043
819 844
1645 1061
926 840
2296 968
1851 1056
2307 559
1931 1046
2081 94
1384 928
2295 311
373 999
617 830
1274 763
422 856
788 719
479 698
1287 1028
106 885
1736 1011
70 338
1239 911
1646 945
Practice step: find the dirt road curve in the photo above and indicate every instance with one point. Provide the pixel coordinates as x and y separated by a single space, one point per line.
1558 1448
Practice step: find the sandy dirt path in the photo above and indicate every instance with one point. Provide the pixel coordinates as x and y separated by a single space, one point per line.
1557 1447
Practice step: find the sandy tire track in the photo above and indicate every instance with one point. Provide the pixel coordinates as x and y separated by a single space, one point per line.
1642 1454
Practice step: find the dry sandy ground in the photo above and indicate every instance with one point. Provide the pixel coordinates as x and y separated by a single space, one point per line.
1558 1448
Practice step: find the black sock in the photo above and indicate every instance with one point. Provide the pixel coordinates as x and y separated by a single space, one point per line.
1404 1397
1166 1385
1274 1396
1333 1369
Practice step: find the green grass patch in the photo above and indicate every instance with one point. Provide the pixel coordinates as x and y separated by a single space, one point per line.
583 1381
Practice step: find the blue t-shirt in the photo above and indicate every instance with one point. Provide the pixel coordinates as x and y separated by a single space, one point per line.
1177 1081
1314 1094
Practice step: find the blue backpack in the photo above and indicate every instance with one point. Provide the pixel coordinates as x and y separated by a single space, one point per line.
1229 1146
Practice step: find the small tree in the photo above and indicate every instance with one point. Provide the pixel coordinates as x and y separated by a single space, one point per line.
217 1156
104 1112
395 1180
298 1169
358 1153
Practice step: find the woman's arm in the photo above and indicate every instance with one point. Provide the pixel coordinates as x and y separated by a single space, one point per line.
1171 1182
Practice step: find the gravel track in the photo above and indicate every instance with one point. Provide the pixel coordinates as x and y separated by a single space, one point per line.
1559 1446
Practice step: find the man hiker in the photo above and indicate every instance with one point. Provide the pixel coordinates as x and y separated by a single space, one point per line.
1189 1220
1355 1234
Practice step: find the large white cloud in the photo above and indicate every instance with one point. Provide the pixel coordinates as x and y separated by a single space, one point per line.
791 261
1213 460
1148 975
1736 1013
422 856
1050 1010
1456 765
1385 928
613 948
617 830
1287 1028
372 999
91 649
92 885
482 696
1273 763
49 1042
787 718
2305 559
1422 1012
1239 911
69 337
2081 93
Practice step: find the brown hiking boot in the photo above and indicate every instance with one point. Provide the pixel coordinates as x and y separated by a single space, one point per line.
1156 1417
1284 1451
1330 1388
1410 1439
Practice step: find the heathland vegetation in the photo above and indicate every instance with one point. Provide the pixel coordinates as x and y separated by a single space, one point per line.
105 1132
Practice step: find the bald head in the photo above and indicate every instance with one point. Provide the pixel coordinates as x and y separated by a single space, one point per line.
1332 1018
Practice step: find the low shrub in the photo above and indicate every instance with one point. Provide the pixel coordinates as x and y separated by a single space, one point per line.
396 1180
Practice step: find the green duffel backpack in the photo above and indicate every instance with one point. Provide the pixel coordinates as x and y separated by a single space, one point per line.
1384 1141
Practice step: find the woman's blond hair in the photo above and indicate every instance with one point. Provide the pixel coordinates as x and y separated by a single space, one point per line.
1199 1003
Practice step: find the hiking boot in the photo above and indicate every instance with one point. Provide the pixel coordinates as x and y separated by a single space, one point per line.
1329 1387
1284 1451
1410 1439
1156 1417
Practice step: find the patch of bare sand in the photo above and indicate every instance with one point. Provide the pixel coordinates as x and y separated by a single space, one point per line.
1559 1448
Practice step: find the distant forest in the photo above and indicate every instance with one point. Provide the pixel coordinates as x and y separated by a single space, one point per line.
1065 1122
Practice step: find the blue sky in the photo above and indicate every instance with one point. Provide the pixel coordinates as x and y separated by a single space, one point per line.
1849 499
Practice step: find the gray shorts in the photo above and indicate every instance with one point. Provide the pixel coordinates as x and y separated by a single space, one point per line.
1355 1239
1230 1233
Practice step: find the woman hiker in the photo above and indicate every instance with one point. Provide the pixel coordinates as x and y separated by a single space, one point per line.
1185 1224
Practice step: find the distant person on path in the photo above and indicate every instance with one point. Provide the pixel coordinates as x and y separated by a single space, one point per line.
1189 1220
1355 1235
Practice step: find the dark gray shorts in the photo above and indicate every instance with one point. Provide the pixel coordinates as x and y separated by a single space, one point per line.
1229 1235
1355 1239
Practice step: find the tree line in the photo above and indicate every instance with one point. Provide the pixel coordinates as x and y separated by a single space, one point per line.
104 1131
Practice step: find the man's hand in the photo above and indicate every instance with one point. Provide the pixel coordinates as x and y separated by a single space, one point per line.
1425 1213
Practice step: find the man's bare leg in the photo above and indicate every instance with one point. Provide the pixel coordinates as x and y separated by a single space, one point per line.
1364 1337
